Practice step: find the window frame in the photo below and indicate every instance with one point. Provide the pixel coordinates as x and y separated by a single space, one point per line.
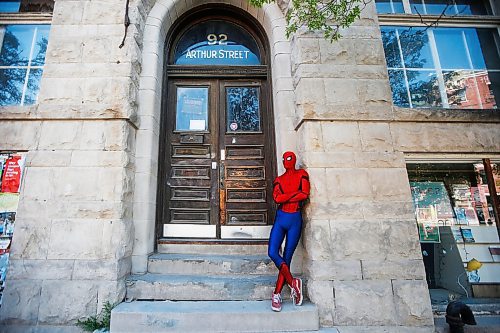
23 18
408 19
407 11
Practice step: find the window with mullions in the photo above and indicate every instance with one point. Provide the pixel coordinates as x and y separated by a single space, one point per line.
390 6
454 7
22 56
22 50
443 67
435 7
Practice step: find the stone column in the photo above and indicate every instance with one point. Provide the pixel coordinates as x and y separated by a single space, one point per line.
362 255
74 232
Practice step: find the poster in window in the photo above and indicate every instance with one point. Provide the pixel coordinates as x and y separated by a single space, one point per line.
461 192
429 233
467 235
457 235
496 176
432 203
426 215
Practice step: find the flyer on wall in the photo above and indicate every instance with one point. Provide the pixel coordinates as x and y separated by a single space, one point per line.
11 173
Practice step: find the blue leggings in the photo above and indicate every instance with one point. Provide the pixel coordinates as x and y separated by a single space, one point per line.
289 225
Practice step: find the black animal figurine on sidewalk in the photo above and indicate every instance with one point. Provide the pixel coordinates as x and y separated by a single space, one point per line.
457 315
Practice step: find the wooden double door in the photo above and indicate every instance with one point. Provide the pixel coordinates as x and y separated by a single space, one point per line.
218 160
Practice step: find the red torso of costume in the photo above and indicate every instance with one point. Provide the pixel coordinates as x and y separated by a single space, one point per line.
292 187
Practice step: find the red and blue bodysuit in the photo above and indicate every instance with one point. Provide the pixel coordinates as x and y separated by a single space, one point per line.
290 190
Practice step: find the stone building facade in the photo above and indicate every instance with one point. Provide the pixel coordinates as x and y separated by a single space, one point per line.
87 213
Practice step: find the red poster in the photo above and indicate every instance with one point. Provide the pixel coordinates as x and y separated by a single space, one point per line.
11 178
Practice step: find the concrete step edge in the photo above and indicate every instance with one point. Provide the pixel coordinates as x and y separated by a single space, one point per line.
161 263
211 257
213 248
205 316
152 277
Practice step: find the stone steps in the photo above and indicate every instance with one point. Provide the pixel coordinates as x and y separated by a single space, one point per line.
198 287
213 248
163 263
216 287
228 316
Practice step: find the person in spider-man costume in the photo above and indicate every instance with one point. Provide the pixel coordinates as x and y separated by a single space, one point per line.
289 191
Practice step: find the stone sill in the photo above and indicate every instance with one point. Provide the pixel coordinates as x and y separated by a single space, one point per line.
425 115
18 112
33 112
446 115
415 19
25 18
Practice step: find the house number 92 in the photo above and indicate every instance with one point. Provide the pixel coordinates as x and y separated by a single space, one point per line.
217 39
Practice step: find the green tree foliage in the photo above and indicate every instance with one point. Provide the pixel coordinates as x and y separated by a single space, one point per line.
328 16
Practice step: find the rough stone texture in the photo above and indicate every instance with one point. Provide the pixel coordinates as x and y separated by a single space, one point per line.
321 294
56 309
364 303
392 269
87 211
21 302
360 234
446 137
412 305
73 241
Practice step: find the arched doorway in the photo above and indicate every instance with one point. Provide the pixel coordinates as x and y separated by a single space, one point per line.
217 151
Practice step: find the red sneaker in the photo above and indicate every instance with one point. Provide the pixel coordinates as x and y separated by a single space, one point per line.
296 291
276 302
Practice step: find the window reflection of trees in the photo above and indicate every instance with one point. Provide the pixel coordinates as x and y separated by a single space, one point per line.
422 84
413 73
12 79
243 109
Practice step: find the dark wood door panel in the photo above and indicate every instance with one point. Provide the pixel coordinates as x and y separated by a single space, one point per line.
220 174
243 217
246 195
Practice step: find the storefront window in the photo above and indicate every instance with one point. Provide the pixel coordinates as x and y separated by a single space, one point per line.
443 67
451 194
456 227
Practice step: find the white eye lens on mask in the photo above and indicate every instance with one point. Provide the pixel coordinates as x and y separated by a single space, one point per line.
289 158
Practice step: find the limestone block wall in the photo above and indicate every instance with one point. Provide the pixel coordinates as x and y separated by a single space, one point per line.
74 228
362 254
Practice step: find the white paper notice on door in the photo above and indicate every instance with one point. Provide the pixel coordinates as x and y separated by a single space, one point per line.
197 124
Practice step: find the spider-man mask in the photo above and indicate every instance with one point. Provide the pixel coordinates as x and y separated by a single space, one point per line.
289 160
